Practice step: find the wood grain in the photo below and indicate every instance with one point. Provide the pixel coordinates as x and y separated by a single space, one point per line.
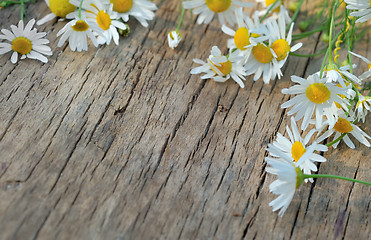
121 142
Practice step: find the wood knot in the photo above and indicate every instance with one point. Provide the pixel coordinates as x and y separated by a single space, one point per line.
221 108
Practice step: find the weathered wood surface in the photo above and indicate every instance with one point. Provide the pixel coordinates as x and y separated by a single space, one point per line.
123 143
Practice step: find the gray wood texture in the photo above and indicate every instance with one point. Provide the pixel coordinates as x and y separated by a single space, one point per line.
121 142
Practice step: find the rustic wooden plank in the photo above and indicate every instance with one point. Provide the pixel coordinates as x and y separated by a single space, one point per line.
122 143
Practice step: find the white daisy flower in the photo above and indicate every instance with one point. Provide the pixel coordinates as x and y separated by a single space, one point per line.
276 12
142 10
344 125
101 11
58 8
208 8
263 61
173 39
220 68
297 150
363 7
77 31
366 74
317 96
289 179
363 107
26 42
249 33
268 58
340 75
278 41
332 77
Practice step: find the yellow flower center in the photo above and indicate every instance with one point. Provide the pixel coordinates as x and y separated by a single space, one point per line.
318 93
262 53
103 20
61 7
269 2
80 26
297 150
122 6
218 5
343 126
22 45
224 68
281 47
255 35
242 38
369 65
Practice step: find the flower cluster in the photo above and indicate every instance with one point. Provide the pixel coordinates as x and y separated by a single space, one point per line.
327 103
259 49
332 106
330 102
99 20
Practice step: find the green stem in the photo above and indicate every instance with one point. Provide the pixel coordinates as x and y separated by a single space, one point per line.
6 3
269 10
295 14
306 34
80 8
350 107
356 90
22 9
326 56
331 60
309 55
323 64
299 36
337 177
181 19
336 140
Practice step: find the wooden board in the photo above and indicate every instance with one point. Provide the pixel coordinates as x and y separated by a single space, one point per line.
121 142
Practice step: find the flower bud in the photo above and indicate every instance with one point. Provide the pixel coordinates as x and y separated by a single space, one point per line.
174 39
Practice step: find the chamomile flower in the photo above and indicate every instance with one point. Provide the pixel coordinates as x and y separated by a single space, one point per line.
58 8
340 75
249 33
297 149
142 10
276 12
314 95
363 7
279 41
77 31
289 179
208 8
26 42
173 39
344 125
366 74
220 68
263 62
363 107
101 11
